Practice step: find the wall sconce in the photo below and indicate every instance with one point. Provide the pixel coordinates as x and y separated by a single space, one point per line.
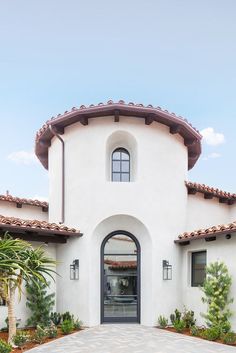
74 270
167 270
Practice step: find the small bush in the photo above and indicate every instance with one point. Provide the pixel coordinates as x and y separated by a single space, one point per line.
55 318
21 338
5 347
194 330
211 334
175 317
40 335
162 321
188 318
179 325
67 326
229 338
77 324
67 316
51 331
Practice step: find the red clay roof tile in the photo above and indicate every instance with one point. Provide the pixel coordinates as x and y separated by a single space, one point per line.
190 134
24 201
205 232
35 224
196 187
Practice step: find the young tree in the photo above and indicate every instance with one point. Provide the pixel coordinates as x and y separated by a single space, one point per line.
39 302
216 290
20 262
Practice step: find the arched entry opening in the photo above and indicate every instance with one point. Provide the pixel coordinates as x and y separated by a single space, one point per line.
120 278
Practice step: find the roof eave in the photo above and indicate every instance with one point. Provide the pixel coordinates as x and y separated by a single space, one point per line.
191 137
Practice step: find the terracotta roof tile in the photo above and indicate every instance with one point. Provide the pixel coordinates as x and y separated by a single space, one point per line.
24 201
207 190
116 265
191 135
35 224
207 232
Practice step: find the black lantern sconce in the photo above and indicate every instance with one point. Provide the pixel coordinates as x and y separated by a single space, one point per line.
74 270
167 270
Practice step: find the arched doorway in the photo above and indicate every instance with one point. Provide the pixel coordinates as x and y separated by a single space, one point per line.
120 278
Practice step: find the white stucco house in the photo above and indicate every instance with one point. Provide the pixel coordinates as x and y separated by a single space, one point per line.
131 234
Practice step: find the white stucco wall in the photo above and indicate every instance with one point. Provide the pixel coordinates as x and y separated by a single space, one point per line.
9 209
203 213
152 207
233 213
221 249
22 312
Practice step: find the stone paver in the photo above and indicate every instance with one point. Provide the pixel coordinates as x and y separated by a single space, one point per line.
130 339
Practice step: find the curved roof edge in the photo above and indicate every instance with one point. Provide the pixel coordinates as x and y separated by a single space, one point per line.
150 114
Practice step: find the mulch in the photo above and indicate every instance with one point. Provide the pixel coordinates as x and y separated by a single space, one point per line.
187 333
29 345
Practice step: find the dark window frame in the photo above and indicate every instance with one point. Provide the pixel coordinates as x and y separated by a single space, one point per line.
136 319
193 267
120 173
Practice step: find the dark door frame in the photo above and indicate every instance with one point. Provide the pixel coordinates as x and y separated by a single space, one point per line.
118 319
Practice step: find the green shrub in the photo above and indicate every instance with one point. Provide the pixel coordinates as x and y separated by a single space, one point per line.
40 335
175 317
77 324
40 302
229 338
216 289
21 338
67 316
5 347
51 331
188 318
162 321
211 334
55 318
194 330
179 325
67 326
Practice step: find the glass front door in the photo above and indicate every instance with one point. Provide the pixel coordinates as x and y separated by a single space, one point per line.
120 278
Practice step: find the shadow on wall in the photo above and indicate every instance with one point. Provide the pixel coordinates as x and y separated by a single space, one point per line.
125 140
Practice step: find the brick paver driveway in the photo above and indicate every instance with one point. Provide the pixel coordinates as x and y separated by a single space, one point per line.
130 339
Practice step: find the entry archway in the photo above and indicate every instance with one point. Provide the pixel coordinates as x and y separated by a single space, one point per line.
120 278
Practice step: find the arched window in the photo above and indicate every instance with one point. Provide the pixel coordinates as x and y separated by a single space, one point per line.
120 165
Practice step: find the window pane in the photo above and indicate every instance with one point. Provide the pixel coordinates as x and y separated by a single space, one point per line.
120 244
125 177
116 166
116 155
116 176
124 156
198 268
125 166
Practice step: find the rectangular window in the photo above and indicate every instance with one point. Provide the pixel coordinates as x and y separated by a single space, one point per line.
198 268
2 302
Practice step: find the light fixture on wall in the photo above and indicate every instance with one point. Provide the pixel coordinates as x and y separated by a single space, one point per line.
74 270
167 270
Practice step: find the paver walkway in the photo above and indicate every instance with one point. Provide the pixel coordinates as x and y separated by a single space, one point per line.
130 339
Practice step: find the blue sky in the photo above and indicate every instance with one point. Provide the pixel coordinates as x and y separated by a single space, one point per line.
56 54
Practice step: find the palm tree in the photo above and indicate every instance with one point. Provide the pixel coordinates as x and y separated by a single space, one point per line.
19 262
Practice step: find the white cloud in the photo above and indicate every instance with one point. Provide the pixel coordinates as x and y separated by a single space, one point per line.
212 155
211 137
22 157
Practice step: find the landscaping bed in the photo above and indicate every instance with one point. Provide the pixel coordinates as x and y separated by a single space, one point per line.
187 332
29 345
